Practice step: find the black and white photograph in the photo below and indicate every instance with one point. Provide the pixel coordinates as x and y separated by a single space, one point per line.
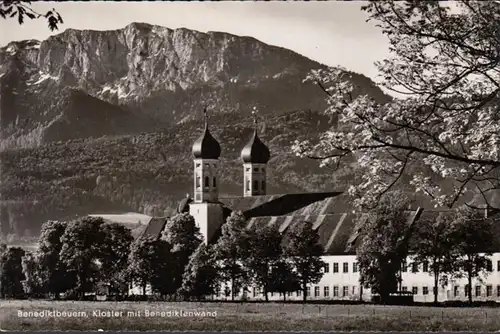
250 166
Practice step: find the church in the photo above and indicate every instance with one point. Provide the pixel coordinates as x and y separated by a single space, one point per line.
329 212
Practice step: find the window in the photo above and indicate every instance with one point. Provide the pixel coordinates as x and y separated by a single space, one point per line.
414 290
198 165
272 294
326 291
335 291
255 169
335 267
466 290
255 185
425 267
299 293
198 182
207 182
456 291
489 265
326 268
248 184
355 267
289 293
345 267
345 291
248 169
263 185
425 290
498 290
478 291
498 265
404 267
254 292
207 165
308 292
489 291
214 182
414 267
404 288
316 291
353 290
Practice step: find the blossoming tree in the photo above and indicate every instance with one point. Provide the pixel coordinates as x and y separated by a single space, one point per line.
444 65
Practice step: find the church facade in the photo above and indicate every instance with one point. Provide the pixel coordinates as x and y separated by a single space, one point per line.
329 212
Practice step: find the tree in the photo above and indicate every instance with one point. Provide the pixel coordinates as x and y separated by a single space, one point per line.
445 63
115 253
148 264
11 273
201 276
33 283
304 252
264 252
230 249
434 243
82 252
384 245
474 241
12 8
184 236
53 273
283 279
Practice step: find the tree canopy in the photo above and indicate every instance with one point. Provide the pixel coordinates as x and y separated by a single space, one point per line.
444 65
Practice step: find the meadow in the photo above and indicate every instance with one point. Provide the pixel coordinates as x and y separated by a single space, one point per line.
20 315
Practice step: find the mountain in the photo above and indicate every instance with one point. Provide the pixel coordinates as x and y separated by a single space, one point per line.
103 120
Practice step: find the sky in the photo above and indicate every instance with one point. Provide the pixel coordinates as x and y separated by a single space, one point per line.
334 33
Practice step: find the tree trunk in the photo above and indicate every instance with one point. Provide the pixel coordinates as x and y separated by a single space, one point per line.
232 287
284 296
266 297
436 283
304 292
469 278
360 293
144 290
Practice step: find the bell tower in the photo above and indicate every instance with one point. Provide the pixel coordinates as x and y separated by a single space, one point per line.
206 209
255 156
206 152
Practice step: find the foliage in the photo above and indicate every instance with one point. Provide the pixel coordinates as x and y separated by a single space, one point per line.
384 245
283 278
11 8
434 243
304 251
148 263
230 250
33 282
11 273
82 252
474 240
115 252
445 63
54 274
264 253
184 236
201 277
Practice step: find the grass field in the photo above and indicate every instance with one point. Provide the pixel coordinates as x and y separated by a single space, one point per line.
254 317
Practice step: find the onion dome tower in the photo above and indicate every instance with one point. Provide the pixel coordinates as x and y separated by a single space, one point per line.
255 156
206 153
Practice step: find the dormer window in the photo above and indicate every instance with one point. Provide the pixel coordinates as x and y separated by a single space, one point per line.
207 182
255 169
256 185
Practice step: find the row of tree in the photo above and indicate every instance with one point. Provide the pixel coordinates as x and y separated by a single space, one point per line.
454 244
81 256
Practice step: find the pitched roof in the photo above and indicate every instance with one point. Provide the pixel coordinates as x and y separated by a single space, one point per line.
338 233
285 204
155 227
